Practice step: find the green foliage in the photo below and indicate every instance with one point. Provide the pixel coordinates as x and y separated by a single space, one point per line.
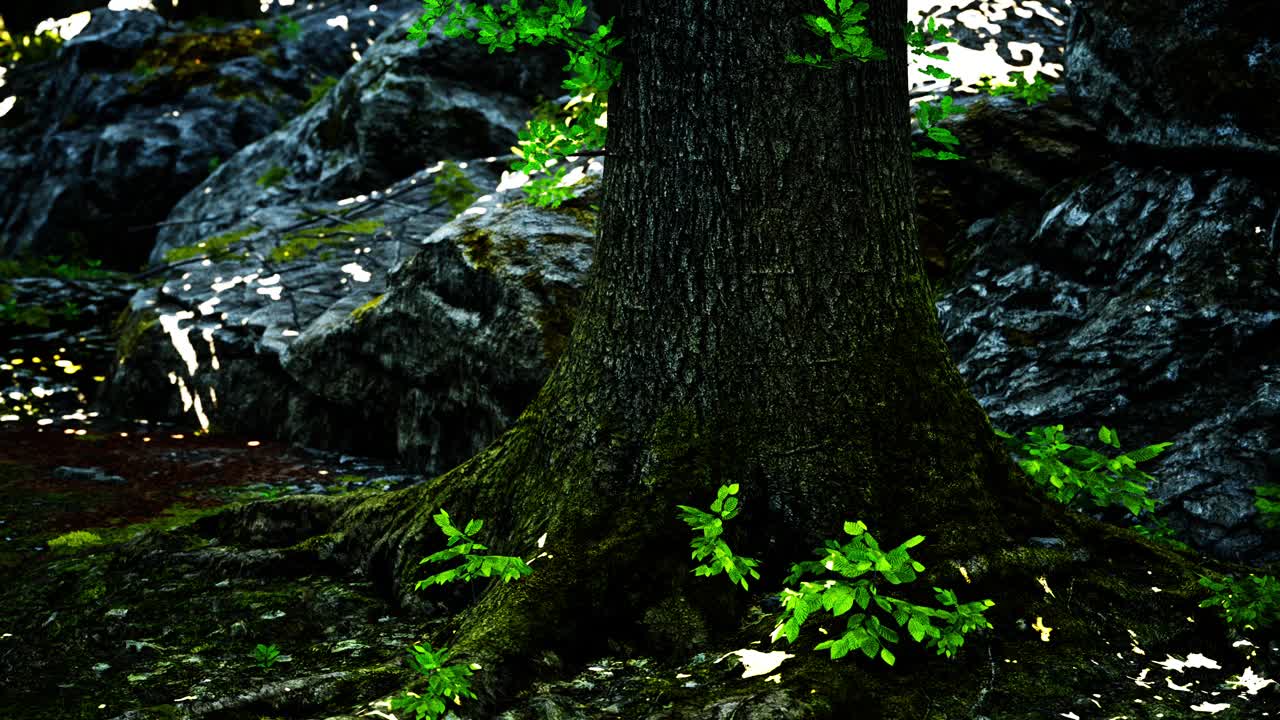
55 266
710 545
74 540
453 189
444 682
463 545
1268 504
928 115
859 561
592 71
215 248
273 176
1249 604
843 28
1069 473
1033 92
266 655
319 90
1158 530
33 316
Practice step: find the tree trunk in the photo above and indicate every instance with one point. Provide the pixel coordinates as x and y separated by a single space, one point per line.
758 314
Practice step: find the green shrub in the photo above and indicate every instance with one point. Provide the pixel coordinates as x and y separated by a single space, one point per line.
1070 473
859 561
1249 604
444 682
710 545
452 188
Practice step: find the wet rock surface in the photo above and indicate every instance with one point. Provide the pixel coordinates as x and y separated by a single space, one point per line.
1149 300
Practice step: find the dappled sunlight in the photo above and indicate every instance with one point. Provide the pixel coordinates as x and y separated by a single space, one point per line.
968 65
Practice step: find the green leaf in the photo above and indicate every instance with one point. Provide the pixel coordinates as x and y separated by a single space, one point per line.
887 656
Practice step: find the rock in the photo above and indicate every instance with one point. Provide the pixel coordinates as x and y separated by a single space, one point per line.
97 475
1198 78
133 112
1146 300
337 363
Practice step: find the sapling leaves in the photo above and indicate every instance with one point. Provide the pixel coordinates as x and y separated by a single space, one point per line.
857 562
722 559
1068 472
462 544
591 66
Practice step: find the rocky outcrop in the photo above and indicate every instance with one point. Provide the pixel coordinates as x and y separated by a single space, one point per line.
134 112
400 109
1199 78
1147 300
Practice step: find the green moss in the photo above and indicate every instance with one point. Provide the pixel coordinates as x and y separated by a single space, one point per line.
75 540
319 90
129 328
272 177
182 62
477 245
298 244
214 248
359 312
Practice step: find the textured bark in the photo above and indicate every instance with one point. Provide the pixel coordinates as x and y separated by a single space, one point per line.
758 314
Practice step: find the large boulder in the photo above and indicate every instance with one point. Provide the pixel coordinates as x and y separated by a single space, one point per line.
1198 77
354 326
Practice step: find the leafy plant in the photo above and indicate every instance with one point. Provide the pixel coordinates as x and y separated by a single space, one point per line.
855 565
711 546
928 115
843 28
592 71
266 655
1249 604
444 682
463 545
1070 472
